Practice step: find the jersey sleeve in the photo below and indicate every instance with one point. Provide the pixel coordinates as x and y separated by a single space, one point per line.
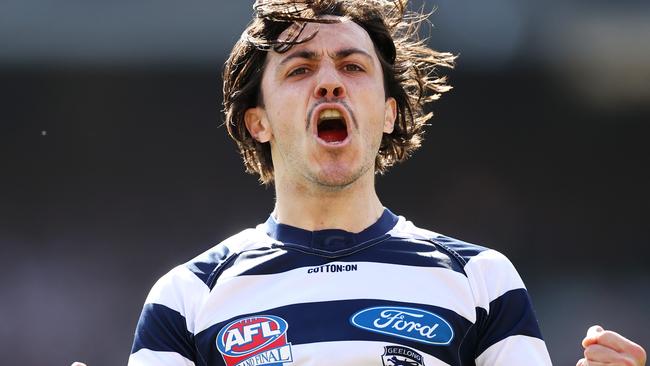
507 332
164 333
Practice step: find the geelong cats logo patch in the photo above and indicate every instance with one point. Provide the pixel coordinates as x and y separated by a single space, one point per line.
255 340
401 356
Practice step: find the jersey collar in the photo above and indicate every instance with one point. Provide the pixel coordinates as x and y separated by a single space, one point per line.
330 240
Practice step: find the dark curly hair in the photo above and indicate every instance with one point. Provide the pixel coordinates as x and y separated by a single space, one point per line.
408 67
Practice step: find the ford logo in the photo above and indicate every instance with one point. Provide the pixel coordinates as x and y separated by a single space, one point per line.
409 323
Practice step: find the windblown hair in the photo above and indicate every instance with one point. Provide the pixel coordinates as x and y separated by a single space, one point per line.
408 66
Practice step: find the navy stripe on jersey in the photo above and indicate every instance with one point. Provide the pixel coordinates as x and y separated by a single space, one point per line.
410 252
330 321
332 241
510 314
393 251
163 329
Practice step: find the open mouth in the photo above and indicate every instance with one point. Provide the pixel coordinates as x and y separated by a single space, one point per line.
331 126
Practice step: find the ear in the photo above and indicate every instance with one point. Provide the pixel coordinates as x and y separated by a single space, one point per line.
390 114
257 124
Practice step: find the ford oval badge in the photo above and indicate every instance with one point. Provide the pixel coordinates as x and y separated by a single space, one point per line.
409 323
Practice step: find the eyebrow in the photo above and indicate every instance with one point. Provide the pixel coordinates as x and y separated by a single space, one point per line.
306 54
351 51
311 55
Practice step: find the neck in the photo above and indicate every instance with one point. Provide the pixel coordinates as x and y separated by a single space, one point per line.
351 208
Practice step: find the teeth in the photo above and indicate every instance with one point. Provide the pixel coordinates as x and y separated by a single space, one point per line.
330 114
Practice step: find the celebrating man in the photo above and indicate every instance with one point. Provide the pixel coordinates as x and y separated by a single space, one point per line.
320 96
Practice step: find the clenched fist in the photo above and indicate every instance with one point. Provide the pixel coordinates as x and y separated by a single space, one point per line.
604 347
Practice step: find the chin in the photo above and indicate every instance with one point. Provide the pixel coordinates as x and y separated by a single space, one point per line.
338 179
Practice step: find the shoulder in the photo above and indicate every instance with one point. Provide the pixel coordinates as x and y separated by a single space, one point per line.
490 273
187 284
464 251
205 264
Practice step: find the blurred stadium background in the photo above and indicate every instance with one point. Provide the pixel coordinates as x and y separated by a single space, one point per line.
114 167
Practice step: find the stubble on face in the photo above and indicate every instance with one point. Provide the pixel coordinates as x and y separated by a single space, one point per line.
338 176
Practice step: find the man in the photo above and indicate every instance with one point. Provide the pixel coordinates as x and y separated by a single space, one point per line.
320 96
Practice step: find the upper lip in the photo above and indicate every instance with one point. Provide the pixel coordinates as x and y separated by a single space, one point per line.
337 106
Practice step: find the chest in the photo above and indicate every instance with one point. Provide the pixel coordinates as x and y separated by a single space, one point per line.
351 312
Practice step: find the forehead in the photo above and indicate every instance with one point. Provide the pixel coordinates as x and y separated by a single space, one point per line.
329 37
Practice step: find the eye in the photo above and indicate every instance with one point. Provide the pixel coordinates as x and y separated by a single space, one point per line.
298 71
352 68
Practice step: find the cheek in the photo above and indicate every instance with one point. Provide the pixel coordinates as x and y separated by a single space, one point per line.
277 115
370 89
286 100
370 102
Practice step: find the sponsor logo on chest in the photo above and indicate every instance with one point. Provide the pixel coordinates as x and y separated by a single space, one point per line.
409 323
333 268
255 340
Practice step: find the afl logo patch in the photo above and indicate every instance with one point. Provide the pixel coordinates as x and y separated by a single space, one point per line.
409 323
255 340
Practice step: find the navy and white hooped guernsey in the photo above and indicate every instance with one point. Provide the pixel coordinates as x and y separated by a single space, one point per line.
391 295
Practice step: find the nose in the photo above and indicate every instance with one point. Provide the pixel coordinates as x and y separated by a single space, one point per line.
329 85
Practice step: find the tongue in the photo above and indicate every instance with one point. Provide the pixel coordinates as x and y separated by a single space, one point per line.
333 135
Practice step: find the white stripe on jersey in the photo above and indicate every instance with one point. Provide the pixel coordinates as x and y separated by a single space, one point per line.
348 353
147 357
515 350
187 295
482 267
248 239
406 229
371 281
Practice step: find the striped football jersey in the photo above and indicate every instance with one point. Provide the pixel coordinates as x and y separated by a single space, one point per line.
391 295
